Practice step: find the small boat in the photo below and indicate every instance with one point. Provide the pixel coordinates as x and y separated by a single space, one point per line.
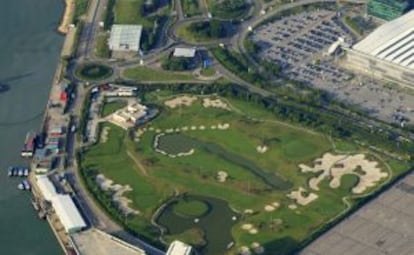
26 184
35 205
14 172
20 171
10 171
20 186
26 171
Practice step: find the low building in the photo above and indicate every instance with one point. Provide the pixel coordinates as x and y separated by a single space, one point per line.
68 213
46 187
387 9
178 248
129 116
125 38
121 92
184 52
63 205
388 52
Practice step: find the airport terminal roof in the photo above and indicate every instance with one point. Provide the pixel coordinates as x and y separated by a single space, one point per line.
67 212
393 41
125 37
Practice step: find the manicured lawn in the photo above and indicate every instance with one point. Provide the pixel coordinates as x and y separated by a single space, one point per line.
129 12
191 208
228 9
209 71
102 50
111 107
191 7
143 73
155 178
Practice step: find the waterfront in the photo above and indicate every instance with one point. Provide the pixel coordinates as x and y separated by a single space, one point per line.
29 50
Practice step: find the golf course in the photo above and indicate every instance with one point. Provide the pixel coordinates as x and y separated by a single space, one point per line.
226 176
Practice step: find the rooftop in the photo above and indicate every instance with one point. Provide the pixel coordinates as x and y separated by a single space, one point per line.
393 41
178 248
184 52
125 37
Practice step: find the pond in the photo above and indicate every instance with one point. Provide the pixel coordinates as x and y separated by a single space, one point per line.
212 216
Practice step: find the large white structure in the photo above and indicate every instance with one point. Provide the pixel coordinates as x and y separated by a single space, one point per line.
125 37
68 213
388 52
178 248
46 187
184 52
63 205
129 116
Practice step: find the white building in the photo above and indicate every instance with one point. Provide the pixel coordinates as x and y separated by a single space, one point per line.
388 52
46 187
184 52
68 213
178 248
122 92
125 37
63 205
129 116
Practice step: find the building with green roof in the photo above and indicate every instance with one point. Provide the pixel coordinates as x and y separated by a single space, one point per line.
387 9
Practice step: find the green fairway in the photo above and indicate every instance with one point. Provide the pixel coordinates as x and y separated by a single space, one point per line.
143 73
228 9
259 156
130 12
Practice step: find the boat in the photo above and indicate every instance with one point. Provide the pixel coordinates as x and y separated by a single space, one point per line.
29 145
4 88
19 171
20 186
10 171
35 205
26 184
26 171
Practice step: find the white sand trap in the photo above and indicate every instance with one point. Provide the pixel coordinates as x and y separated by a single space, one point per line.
104 134
201 127
245 250
300 198
248 211
253 231
276 204
247 226
292 206
158 130
185 128
180 101
336 166
216 103
269 208
262 149
223 126
213 127
193 128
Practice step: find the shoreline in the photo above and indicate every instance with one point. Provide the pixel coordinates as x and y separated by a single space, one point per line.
66 19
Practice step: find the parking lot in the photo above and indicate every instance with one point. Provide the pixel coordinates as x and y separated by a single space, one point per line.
299 42
384 226
299 45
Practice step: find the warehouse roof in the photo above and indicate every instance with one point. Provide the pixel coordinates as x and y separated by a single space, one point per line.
393 41
125 37
184 52
46 187
67 212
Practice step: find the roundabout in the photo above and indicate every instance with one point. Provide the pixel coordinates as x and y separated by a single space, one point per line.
93 72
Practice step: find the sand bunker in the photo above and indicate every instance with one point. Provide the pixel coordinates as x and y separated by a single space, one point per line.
118 190
216 103
104 134
222 176
261 149
336 166
180 101
247 226
292 206
269 208
300 198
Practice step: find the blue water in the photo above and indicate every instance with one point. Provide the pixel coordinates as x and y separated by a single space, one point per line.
29 53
